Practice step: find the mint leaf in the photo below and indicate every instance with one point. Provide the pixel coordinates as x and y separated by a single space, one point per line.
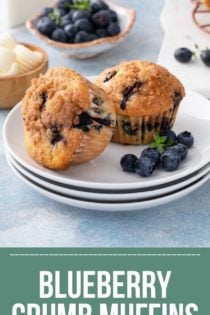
160 143
55 17
163 139
80 5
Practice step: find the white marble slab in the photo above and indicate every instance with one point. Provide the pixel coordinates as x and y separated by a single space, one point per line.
180 31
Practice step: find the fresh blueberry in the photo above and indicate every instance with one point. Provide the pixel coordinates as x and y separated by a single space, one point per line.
77 15
101 18
128 163
70 30
92 37
65 20
170 134
205 57
186 138
183 55
113 16
46 11
64 4
81 37
84 25
98 5
152 154
114 29
145 166
71 13
61 11
102 32
59 35
170 159
182 149
46 26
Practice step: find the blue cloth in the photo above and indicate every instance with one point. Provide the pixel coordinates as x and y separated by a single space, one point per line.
29 219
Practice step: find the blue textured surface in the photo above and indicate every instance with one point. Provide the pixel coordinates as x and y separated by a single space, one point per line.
29 219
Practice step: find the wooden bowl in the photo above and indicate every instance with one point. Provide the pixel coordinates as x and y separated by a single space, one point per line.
86 50
13 88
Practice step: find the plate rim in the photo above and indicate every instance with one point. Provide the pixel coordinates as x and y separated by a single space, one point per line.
204 170
116 198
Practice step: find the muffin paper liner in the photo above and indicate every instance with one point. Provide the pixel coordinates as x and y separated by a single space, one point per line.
140 130
92 146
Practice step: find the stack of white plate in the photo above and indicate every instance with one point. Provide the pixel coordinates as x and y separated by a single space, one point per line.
101 184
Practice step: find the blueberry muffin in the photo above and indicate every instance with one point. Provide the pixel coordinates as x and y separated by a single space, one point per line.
146 98
206 3
66 119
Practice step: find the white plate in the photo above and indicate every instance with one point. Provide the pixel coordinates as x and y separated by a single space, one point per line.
105 172
104 206
71 192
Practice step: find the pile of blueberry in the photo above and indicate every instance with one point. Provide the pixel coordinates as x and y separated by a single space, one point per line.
185 55
167 150
78 21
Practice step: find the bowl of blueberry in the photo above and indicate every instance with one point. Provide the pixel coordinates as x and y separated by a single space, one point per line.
83 28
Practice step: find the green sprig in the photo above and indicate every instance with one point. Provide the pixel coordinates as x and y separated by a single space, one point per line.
55 17
80 5
160 143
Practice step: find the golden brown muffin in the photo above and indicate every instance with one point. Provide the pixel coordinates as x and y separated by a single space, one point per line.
146 98
206 3
66 119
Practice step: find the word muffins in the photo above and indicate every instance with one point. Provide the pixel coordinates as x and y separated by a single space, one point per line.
66 119
146 97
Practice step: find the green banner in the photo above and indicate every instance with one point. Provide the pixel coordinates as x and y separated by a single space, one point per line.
105 281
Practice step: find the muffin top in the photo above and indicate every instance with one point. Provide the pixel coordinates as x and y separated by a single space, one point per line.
60 110
140 88
56 97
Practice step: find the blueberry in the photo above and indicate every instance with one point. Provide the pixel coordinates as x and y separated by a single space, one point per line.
81 37
46 11
152 154
77 15
186 138
63 4
92 37
102 32
71 13
101 18
61 11
182 150
128 163
183 55
56 135
59 35
113 16
205 57
65 20
170 134
145 166
98 5
114 29
46 26
170 159
84 25
70 30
